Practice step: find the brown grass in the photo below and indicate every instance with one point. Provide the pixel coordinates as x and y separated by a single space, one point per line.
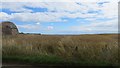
80 48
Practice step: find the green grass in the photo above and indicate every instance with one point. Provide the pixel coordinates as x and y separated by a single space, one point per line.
53 60
43 59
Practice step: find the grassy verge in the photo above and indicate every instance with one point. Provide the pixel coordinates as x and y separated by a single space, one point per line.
43 59
51 60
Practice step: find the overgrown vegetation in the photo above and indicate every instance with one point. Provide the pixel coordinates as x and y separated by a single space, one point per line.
54 49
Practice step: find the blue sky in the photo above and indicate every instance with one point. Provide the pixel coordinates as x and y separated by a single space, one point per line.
62 17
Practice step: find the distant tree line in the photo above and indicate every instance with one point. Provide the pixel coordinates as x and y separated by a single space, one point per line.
30 33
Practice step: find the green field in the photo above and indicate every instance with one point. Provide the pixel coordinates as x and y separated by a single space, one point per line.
97 50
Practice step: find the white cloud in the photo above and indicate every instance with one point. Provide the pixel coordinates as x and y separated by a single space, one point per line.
43 17
64 9
50 27
51 6
38 23
56 0
29 27
31 17
15 7
4 16
108 26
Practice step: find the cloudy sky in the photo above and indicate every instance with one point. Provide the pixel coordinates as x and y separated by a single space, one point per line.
77 17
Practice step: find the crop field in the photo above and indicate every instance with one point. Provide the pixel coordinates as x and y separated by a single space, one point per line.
96 49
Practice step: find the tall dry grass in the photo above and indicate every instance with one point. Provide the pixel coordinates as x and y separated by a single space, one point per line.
89 48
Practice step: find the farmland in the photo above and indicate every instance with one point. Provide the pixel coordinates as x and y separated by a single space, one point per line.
96 49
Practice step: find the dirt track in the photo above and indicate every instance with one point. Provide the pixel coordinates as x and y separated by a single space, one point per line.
17 65
11 65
